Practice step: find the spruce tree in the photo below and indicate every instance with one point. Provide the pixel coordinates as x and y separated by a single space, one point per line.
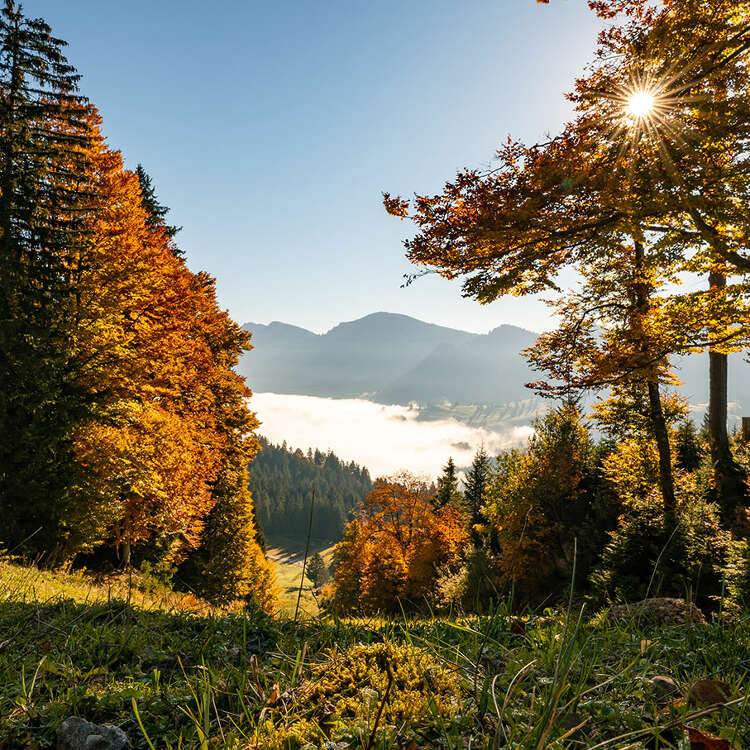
44 136
476 482
316 569
447 486
157 211
230 564
688 445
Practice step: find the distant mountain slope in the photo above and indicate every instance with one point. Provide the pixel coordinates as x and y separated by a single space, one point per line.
395 359
481 370
283 482
353 359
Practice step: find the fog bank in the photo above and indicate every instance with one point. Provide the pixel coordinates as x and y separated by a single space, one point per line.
385 439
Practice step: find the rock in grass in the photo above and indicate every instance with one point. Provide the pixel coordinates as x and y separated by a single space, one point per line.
76 733
658 611
664 689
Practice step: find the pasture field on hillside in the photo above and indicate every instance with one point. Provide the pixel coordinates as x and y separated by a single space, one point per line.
173 674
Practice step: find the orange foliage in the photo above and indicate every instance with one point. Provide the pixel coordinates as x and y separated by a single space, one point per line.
392 552
156 355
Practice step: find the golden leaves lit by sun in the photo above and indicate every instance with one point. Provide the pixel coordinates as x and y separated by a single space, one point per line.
650 108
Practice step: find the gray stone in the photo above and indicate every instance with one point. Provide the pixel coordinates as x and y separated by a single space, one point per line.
76 733
664 689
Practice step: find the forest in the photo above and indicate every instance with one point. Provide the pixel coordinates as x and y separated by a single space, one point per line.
589 589
285 483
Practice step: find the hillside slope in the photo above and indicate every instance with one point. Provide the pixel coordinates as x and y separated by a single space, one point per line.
395 359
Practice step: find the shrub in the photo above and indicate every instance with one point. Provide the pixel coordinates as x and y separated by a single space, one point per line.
346 690
735 598
646 558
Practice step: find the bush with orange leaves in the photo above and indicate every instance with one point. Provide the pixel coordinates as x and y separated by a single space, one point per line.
390 555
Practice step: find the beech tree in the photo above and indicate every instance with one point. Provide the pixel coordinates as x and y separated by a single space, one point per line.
166 448
690 62
391 553
654 154
122 419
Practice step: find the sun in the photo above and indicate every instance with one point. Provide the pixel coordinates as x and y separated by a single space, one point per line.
641 104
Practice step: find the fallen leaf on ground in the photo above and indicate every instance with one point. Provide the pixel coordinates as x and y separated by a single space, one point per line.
708 692
700 740
273 699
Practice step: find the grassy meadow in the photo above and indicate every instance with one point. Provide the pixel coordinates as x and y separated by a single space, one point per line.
288 556
175 674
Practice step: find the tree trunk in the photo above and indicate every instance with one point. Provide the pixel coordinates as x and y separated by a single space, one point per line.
661 433
729 479
126 544
656 412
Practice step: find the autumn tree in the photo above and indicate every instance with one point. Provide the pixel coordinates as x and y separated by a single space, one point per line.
348 562
612 335
655 156
390 555
122 419
166 449
689 60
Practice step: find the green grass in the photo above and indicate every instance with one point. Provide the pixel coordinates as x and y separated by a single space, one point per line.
288 576
209 679
294 549
288 555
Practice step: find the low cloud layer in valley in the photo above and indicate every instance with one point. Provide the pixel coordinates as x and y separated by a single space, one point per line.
385 439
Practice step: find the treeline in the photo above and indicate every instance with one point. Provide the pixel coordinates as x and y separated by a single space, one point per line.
124 430
283 482
566 509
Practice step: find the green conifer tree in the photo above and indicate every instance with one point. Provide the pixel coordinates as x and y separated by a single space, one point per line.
689 451
447 486
44 133
477 479
316 569
230 564
157 212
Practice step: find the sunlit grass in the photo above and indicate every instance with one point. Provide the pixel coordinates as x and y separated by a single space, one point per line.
242 680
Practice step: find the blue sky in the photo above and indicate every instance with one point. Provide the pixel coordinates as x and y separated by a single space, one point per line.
271 129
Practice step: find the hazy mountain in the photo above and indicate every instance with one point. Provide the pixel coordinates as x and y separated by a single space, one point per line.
480 370
395 359
353 359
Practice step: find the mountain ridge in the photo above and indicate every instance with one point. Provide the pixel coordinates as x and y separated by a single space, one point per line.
391 358
387 357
